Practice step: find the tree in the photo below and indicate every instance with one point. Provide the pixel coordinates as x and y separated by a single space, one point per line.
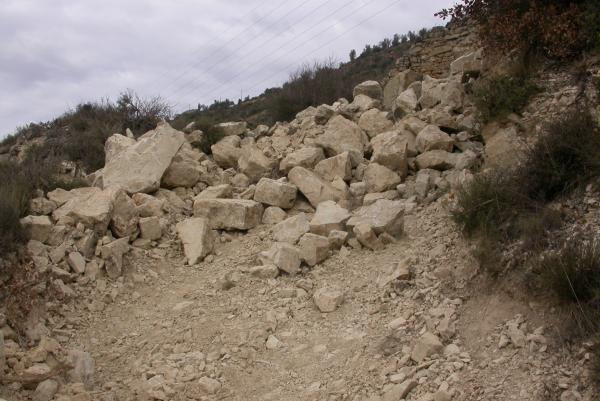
352 55
395 40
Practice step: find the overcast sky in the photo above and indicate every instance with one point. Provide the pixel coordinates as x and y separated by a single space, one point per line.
55 54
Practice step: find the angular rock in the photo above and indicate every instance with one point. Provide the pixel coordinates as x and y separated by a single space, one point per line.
208 385
366 236
371 89
140 167
112 254
313 187
428 344
125 216
275 193
437 160
306 157
405 104
184 170
148 206
76 262
360 104
400 391
92 208
397 85
504 149
45 391
229 214
42 206
196 237
37 228
273 215
285 256
227 152
379 178
342 135
61 196
374 122
86 245
383 216
329 217
223 191
255 164
432 138
115 144
339 166
150 228
291 229
369 199
431 92
337 239
390 150
313 248
328 299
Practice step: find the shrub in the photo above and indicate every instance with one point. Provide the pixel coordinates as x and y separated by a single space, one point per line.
15 193
497 97
566 157
557 28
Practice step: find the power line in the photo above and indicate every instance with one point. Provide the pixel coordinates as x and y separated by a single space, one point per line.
194 87
218 88
195 64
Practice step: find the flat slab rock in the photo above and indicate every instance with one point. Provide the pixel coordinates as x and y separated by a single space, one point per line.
196 237
229 214
383 216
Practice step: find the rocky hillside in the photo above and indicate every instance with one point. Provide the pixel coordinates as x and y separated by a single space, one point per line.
314 259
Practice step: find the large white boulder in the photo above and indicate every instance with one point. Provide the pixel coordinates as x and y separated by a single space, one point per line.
94 209
115 144
196 237
379 178
397 84
254 164
329 217
275 193
315 188
229 214
342 135
306 157
371 89
383 216
390 149
339 166
231 128
140 167
432 138
374 122
184 170
227 152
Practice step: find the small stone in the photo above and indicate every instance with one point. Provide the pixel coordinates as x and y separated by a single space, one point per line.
208 385
399 391
45 391
268 271
429 344
366 236
328 299
76 262
150 228
273 343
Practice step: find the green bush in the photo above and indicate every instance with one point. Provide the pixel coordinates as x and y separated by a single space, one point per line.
566 157
496 97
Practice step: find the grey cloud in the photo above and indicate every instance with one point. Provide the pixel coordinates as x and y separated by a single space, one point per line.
55 54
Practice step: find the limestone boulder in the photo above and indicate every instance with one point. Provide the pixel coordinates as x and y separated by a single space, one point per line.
437 160
275 193
140 167
374 122
150 228
306 157
91 208
148 205
397 84
384 216
273 215
431 92
125 216
37 228
339 166
254 164
328 299
313 248
371 89
366 236
184 170
360 104
115 144
379 178
315 188
291 229
196 237
427 345
329 217
112 253
223 191
283 255
433 138
61 196
76 262
342 135
390 150
229 214
227 152
405 104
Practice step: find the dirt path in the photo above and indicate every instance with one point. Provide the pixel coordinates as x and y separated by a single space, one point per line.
173 332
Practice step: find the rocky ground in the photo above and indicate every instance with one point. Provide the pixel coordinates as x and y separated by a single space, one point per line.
311 260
